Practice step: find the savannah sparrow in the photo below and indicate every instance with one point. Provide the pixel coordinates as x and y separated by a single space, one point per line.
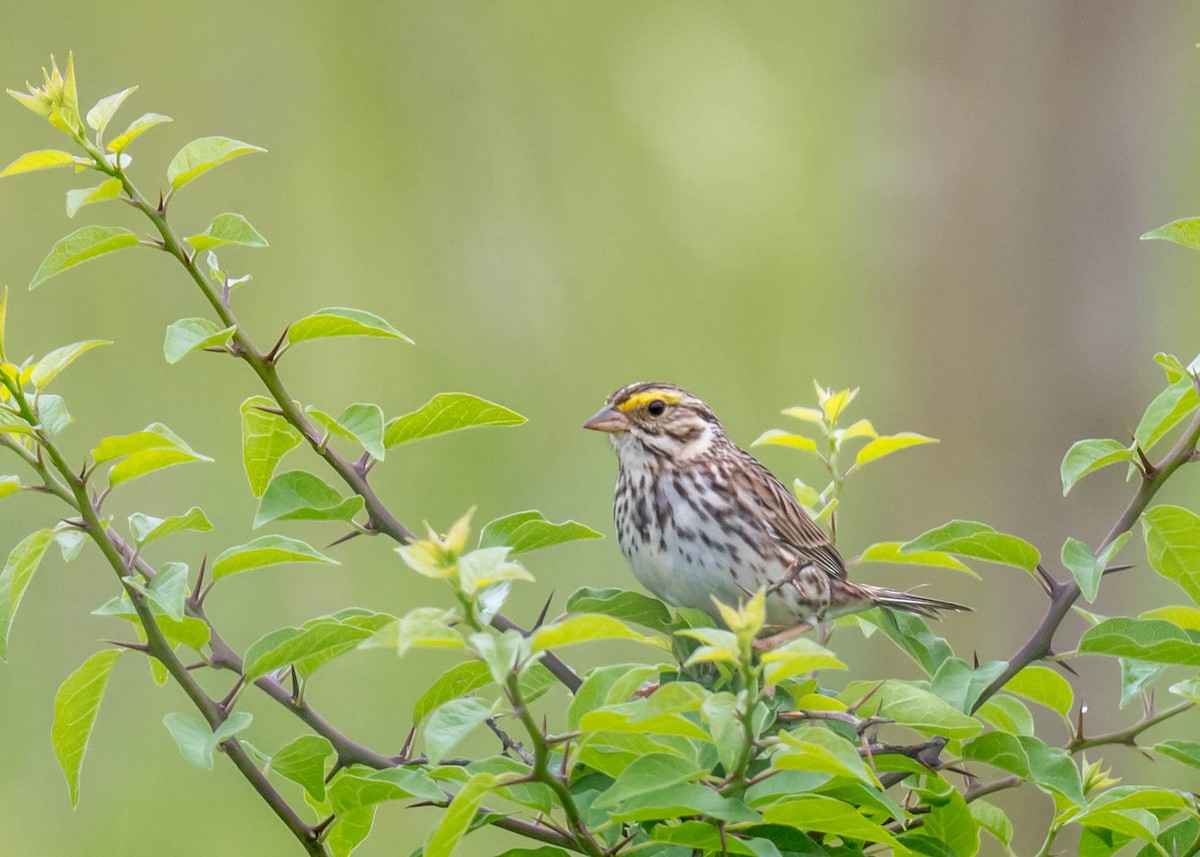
698 518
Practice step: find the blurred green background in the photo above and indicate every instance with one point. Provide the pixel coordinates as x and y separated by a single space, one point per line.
937 202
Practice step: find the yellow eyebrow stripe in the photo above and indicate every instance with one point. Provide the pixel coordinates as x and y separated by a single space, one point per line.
646 397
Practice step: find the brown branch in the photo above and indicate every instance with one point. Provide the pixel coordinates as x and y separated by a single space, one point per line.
1127 736
1063 594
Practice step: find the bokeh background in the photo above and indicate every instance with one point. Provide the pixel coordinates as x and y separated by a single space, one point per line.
938 202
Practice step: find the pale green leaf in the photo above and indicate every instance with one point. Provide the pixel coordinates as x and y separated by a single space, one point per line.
349 829
822 751
300 496
76 705
1044 686
196 742
81 246
365 423
1086 567
166 591
201 155
18 571
1087 456
447 412
100 114
146 451
52 414
451 722
887 444
454 683
193 334
1172 536
1166 411
797 657
1185 232
305 761
311 646
911 706
136 128
40 160
969 538
808 415
78 198
890 552
459 814
584 628
1152 640
342 321
9 485
265 551
778 437
60 358
527 531
228 228
266 438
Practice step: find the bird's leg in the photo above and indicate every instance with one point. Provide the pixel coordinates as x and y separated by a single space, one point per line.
782 637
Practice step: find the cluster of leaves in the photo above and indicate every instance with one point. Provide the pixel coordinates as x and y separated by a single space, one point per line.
711 745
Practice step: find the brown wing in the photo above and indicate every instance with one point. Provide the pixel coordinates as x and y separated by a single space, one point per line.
791 524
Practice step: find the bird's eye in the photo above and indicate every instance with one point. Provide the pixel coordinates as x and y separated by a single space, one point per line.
656 408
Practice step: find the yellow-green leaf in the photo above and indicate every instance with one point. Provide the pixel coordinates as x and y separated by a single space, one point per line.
100 115
266 438
778 437
887 444
81 246
76 705
228 228
41 160
136 128
890 552
77 199
48 367
201 155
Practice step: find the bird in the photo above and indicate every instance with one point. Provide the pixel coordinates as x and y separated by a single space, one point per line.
699 518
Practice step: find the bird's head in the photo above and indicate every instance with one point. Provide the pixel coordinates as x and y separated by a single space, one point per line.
652 421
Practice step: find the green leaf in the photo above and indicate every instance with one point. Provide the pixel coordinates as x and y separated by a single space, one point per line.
649 774
191 632
969 538
450 723
609 684
353 790
447 412
1044 686
300 496
911 633
41 160
484 567
264 551
1000 750
349 830
80 246
60 358
11 423
1136 676
18 571
459 814
912 706
9 485
201 155
77 199
1172 536
951 823
1087 456
1185 232
146 529
778 437
76 705
685 799
622 604
315 643
1053 769
342 321
98 117
145 451
455 682
196 742
1167 409
167 590
1086 567
528 531
1187 752
228 228
798 657
266 438
992 819
706 838
305 762
136 128
193 334
365 423
890 552
1007 713
422 627
960 684
52 414
3 317
1143 639
585 628
887 444
826 815
822 751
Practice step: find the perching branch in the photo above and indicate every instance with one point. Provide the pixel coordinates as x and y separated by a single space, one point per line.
1063 594
1128 736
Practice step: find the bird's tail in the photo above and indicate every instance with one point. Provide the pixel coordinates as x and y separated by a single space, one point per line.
929 607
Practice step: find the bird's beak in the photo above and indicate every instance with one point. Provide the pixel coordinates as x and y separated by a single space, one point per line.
608 419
